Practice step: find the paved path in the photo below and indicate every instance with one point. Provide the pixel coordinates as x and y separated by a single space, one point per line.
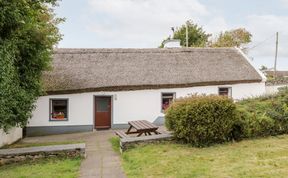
101 160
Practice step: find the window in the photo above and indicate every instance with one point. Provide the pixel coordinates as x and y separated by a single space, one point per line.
102 104
58 109
225 91
166 100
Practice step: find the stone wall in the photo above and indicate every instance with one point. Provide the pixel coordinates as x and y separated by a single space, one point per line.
272 89
18 158
32 153
131 142
12 136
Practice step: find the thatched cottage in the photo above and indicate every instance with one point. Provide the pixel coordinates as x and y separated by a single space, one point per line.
105 88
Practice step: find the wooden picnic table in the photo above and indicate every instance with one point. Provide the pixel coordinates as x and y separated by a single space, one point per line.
142 127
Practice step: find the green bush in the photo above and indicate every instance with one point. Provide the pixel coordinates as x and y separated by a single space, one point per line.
264 116
250 125
202 120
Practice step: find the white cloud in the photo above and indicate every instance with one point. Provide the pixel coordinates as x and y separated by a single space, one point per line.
285 2
147 8
216 25
265 27
143 21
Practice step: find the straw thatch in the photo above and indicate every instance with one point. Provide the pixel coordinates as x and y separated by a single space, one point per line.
85 70
278 73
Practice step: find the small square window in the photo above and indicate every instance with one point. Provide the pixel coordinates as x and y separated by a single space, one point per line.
166 100
58 110
225 91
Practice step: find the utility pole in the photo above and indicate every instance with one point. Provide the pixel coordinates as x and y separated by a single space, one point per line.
173 30
187 35
276 55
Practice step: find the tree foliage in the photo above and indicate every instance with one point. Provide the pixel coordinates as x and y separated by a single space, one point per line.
197 37
263 68
233 38
28 33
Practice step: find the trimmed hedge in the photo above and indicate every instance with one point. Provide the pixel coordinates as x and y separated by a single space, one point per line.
202 120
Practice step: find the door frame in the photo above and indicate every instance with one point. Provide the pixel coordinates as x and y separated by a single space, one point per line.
94 109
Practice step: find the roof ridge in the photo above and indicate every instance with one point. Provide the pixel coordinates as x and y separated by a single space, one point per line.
137 50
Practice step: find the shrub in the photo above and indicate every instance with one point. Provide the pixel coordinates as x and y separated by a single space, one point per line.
251 125
264 116
202 120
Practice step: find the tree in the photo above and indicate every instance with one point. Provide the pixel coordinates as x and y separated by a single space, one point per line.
197 37
263 68
233 38
28 32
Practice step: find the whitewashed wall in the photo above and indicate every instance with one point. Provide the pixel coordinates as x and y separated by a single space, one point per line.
13 135
128 105
273 88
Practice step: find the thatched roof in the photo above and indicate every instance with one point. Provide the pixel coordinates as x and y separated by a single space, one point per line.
281 77
278 73
84 70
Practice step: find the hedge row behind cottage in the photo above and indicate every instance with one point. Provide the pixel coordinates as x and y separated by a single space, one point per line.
202 120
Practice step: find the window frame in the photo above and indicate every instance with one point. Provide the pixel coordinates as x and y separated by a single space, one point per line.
50 109
229 91
161 97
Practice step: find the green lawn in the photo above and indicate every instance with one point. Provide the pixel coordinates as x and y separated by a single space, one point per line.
21 144
266 157
44 168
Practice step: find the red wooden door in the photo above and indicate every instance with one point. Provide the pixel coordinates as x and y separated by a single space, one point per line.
102 112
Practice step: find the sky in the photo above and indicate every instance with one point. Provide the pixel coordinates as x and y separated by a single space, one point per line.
145 23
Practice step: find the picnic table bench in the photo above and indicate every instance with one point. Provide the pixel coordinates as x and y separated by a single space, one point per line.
139 127
121 134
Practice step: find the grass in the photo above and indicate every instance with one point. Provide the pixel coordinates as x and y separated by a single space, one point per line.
115 143
21 144
44 168
265 157
48 167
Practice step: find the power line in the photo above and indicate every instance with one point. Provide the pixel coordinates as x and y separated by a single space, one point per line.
276 55
262 42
